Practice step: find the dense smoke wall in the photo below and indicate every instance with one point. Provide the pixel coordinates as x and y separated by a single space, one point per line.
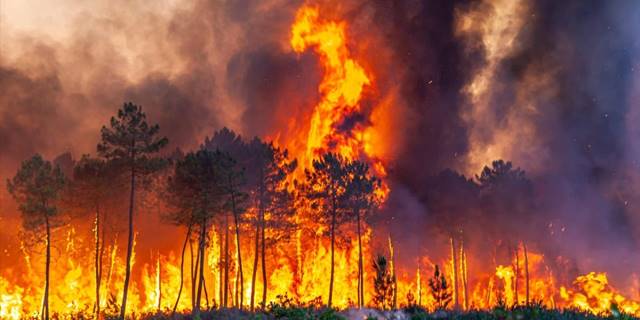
550 85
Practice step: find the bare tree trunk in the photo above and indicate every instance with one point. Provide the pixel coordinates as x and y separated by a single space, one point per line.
333 237
127 276
200 266
226 260
517 275
204 287
394 297
184 248
454 266
255 260
236 221
220 267
193 269
264 264
236 300
45 302
526 273
159 284
463 274
360 266
97 262
101 255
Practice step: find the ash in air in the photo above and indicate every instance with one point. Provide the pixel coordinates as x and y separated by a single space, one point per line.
496 140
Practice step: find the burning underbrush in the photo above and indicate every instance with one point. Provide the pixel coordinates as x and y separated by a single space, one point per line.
300 223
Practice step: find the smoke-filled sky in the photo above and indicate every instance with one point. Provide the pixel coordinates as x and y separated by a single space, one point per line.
552 86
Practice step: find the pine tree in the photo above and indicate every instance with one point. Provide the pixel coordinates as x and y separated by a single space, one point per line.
361 198
382 284
269 167
36 187
440 290
194 193
92 187
325 188
130 143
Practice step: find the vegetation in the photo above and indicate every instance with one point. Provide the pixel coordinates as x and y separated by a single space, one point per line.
326 189
129 144
36 187
287 309
383 284
248 188
440 290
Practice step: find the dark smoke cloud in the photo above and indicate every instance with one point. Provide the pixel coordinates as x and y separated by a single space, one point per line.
210 63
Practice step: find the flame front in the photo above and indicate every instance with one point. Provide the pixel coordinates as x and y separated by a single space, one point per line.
299 268
341 88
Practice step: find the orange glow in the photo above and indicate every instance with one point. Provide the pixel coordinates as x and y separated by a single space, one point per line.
300 266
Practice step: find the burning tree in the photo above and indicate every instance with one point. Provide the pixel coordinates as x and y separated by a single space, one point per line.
129 144
383 283
507 193
36 187
233 157
361 198
194 192
325 188
92 187
269 167
231 180
440 290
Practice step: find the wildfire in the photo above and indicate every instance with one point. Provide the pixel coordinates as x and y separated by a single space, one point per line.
299 268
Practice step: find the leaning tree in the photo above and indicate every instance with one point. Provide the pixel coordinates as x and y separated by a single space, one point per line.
36 187
195 195
131 144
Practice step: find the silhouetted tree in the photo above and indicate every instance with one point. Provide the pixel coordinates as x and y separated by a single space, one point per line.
92 186
130 143
268 169
382 283
325 188
507 196
225 141
196 197
440 290
231 180
361 198
36 187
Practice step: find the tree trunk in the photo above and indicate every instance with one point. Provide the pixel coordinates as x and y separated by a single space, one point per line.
184 248
360 266
127 276
226 260
159 275
463 274
333 235
264 264
220 267
255 260
394 278
515 281
204 288
526 273
45 301
102 249
97 261
200 267
236 220
454 268
193 269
